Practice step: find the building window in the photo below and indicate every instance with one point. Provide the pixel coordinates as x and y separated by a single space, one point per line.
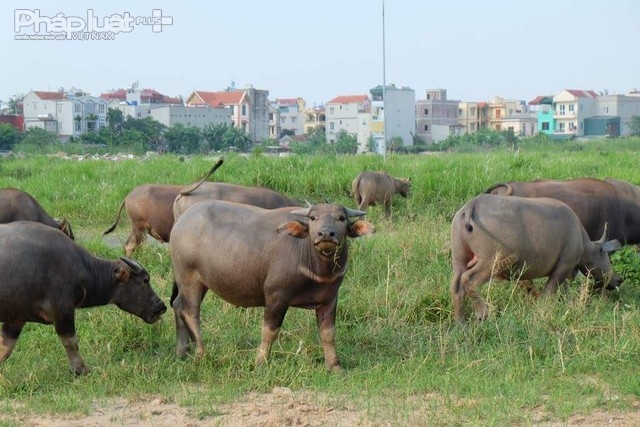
426 111
545 126
293 119
561 127
426 127
244 109
605 110
561 107
270 117
77 126
473 127
231 109
59 108
331 126
332 110
571 107
101 108
77 108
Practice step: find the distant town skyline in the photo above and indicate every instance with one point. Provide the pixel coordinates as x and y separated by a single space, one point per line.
474 50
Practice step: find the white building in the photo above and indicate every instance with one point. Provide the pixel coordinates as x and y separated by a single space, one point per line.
571 108
400 116
352 114
199 117
138 103
66 114
290 115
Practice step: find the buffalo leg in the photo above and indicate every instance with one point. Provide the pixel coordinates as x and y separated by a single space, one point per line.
554 280
273 317
457 295
134 240
326 319
8 337
470 280
186 308
66 330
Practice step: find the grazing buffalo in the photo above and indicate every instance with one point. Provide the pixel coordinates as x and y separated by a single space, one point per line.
369 188
150 210
516 237
17 205
255 196
254 257
596 202
46 276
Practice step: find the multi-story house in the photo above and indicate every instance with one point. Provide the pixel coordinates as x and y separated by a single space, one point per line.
473 116
439 112
542 106
66 114
315 118
501 109
290 115
138 103
352 114
394 119
571 107
613 115
274 122
249 108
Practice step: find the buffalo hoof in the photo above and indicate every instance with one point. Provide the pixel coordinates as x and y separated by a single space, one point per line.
336 369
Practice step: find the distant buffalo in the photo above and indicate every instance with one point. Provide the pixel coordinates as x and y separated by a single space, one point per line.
369 188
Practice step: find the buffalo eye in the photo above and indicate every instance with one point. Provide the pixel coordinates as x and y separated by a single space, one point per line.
312 217
342 218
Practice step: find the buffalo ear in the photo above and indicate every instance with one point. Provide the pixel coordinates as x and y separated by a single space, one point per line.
611 246
122 274
135 267
360 228
294 228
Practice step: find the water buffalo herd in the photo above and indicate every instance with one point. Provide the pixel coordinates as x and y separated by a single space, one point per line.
255 247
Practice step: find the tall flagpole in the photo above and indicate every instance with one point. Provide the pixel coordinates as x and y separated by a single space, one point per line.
384 91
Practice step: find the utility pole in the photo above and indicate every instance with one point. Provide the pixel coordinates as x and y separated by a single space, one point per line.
384 91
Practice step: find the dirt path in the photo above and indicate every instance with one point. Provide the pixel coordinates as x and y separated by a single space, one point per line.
281 407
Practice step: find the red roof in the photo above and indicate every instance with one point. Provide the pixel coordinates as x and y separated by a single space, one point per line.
49 95
582 93
217 99
146 96
348 99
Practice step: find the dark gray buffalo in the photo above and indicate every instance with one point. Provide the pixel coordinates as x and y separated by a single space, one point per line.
251 257
369 188
17 205
595 201
150 210
46 276
516 237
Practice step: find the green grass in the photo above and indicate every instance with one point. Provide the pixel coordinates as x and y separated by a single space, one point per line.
395 331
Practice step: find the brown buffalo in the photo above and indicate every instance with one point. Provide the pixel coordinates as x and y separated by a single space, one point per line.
46 276
254 257
17 205
150 210
596 202
523 238
369 188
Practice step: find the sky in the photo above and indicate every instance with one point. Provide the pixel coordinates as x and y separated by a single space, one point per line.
319 50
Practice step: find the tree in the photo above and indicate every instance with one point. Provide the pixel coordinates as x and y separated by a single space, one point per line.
183 139
214 135
13 102
634 126
346 143
9 136
234 137
115 120
152 129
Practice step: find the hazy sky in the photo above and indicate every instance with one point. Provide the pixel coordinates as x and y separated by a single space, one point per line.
319 50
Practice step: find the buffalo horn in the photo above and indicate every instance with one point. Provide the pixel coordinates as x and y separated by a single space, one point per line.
137 268
354 212
302 212
604 234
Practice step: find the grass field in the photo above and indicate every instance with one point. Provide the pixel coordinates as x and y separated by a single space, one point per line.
531 361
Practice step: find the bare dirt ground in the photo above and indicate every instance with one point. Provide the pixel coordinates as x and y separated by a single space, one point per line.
282 407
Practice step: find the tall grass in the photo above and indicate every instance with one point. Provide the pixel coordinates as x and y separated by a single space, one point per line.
403 353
